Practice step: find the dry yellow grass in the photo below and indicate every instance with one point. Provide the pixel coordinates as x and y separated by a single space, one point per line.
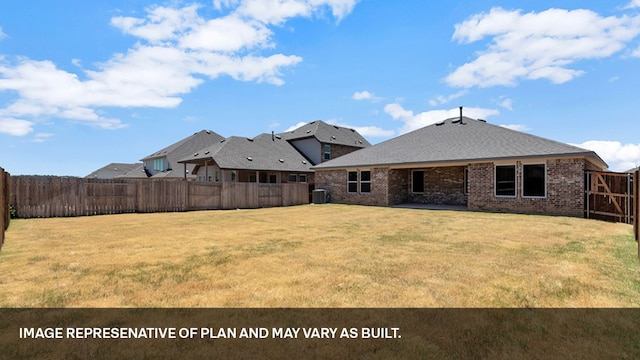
319 256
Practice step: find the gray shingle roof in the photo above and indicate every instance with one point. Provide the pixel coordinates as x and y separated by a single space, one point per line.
451 141
326 133
187 145
112 170
182 149
264 152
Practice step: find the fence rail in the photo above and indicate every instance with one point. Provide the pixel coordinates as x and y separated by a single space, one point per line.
49 196
5 213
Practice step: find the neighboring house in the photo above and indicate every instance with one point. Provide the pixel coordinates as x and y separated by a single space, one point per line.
267 158
321 142
164 163
112 170
464 162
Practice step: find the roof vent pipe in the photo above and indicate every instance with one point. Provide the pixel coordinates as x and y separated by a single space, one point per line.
461 123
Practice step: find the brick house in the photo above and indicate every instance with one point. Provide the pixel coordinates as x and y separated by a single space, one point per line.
273 158
266 158
464 162
321 142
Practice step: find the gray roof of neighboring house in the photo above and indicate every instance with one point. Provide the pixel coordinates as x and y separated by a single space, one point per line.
186 146
454 141
326 133
182 149
112 170
264 152
135 173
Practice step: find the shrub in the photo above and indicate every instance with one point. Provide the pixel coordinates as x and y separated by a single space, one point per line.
13 213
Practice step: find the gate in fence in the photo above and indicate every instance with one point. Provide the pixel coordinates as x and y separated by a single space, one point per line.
610 196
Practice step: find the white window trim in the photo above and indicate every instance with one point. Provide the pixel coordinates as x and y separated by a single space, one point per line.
360 181
545 181
515 181
353 182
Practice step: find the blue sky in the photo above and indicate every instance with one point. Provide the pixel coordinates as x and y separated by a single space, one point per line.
87 83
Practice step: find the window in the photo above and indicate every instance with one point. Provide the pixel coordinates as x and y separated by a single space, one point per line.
417 181
365 182
506 180
359 182
273 178
233 175
302 178
352 182
534 180
327 152
158 164
293 178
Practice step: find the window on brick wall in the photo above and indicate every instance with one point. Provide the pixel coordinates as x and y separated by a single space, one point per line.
352 182
505 180
359 182
417 181
365 182
327 152
534 180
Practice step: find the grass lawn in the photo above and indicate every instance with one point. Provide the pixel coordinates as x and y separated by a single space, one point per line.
319 256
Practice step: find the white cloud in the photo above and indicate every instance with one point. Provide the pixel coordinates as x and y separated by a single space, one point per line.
517 127
177 49
440 99
41 137
414 121
293 127
2 34
633 4
15 127
366 131
537 45
505 103
365 95
276 12
620 157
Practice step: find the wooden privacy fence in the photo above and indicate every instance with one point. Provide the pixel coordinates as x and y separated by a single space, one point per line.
5 213
48 196
610 196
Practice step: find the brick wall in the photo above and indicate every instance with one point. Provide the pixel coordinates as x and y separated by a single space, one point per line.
338 150
399 182
335 182
442 186
565 190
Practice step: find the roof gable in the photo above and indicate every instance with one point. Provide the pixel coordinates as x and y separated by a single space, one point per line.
112 170
453 140
264 152
186 146
326 133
